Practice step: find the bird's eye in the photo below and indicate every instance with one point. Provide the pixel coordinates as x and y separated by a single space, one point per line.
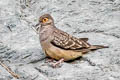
45 20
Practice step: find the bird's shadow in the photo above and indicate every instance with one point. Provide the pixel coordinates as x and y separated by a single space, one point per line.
72 61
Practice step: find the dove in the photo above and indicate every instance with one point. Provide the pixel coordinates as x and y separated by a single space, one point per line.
60 45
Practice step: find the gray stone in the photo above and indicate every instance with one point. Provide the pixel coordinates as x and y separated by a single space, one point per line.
99 20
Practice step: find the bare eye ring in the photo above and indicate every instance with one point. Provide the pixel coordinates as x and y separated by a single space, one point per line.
45 20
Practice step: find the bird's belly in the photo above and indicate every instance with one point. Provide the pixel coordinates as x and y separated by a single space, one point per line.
57 53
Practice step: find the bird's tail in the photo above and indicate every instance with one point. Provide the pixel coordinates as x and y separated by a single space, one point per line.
95 47
92 48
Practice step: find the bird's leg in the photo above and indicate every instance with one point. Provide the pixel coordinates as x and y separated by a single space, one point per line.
58 62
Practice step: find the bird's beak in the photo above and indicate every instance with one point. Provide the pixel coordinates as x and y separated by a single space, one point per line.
37 24
36 27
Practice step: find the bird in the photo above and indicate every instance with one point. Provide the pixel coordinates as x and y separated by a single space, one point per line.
60 45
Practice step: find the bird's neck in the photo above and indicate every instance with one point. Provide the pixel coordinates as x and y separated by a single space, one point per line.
46 28
45 32
47 24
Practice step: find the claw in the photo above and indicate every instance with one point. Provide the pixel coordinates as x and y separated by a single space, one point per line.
58 62
49 60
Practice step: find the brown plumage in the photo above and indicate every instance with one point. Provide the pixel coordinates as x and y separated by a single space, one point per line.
58 44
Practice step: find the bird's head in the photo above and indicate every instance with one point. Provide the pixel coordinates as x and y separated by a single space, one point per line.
44 20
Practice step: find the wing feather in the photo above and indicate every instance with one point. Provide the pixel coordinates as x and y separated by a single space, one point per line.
65 41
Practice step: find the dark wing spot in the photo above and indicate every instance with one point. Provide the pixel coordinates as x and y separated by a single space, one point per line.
67 42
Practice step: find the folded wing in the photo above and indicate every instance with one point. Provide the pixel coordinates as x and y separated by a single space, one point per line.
65 41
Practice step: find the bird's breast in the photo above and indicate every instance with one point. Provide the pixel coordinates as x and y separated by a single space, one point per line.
45 34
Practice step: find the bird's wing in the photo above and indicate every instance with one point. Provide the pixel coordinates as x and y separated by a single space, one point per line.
65 41
84 39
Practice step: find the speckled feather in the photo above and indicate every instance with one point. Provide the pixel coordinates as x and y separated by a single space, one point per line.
65 41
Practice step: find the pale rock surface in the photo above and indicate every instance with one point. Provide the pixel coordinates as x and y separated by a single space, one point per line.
99 20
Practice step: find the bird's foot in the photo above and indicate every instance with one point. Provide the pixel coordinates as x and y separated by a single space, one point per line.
49 60
58 62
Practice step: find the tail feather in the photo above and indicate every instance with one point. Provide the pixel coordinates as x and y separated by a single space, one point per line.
92 48
95 47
